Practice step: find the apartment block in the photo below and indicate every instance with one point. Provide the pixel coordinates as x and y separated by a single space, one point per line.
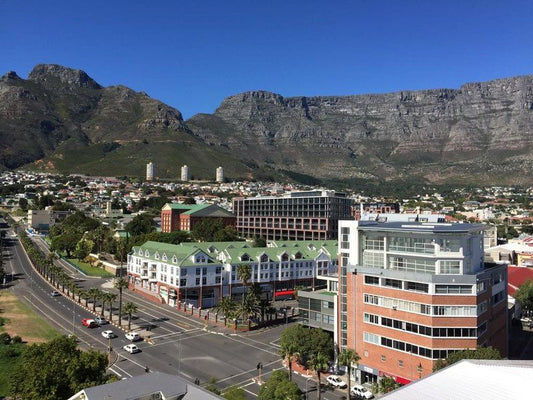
202 273
184 216
311 215
411 293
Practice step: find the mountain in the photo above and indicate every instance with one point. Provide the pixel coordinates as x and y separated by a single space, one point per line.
480 133
61 120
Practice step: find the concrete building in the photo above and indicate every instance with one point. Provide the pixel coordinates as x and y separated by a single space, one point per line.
184 217
150 171
43 220
202 273
220 174
411 293
312 215
185 173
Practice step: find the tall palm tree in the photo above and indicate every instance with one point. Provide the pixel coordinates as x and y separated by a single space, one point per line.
94 294
347 357
110 299
72 288
130 308
244 272
120 284
226 306
84 294
318 363
250 307
288 350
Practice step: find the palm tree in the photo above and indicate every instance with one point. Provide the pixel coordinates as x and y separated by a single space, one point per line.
318 363
347 357
130 308
244 272
85 296
94 294
72 288
110 299
250 307
120 284
288 350
226 306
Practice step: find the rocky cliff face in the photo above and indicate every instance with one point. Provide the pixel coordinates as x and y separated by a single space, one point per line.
482 130
63 120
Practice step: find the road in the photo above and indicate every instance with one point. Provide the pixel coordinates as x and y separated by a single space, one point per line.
179 344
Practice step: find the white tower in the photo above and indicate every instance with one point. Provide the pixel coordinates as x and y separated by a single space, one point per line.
184 173
220 175
150 171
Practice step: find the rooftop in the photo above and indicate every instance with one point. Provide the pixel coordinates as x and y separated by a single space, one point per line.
420 227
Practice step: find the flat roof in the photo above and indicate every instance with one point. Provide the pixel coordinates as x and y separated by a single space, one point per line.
472 380
419 227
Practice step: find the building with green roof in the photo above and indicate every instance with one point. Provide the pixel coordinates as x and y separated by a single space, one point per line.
202 273
183 217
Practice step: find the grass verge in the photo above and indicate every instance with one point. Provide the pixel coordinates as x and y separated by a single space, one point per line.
19 320
88 269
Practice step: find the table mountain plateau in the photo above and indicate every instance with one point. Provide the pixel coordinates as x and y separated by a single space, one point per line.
59 119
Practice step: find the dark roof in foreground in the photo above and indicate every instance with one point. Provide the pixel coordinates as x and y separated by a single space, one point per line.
136 387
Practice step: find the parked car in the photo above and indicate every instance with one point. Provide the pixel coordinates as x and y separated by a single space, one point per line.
89 323
101 321
334 380
361 392
133 336
55 293
131 348
108 334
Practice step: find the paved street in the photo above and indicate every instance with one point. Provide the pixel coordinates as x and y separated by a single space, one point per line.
179 344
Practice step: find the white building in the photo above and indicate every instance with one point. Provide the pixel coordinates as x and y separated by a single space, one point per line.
185 173
220 174
150 171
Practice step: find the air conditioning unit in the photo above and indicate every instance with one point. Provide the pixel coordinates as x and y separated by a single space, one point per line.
394 307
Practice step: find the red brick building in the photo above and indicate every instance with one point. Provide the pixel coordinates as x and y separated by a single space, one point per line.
412 293
184 216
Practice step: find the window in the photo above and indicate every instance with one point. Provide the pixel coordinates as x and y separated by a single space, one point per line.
417 287
371 338
217 279
450 245
204 271
450 267
371 318
204 280
394 283
453 289
197 281
400 363
198 271
383 358
481 286
371 280
218 270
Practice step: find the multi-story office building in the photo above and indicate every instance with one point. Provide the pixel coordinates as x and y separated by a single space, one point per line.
411 293
310 215
185 173
184 217
150 171
219 176
202 273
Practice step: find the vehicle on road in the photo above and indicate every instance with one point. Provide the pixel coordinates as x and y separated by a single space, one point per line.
101 321
335 381
55 293
89 323
131 348
108 334
133 336
361 392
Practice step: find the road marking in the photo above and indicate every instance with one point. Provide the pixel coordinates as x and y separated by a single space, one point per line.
249 372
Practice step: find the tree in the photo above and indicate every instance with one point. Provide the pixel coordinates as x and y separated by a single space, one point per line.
226 307
244 272
234 393
130 309
307 341
23 204
480 353
524 295
120 284
249 307
142 223
279 387
56 370
211 386
347 357
287 351
386 384
94 294
318 363
110 299
259 241
65 242
83 248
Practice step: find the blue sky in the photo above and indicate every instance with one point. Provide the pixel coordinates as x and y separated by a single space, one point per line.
192 54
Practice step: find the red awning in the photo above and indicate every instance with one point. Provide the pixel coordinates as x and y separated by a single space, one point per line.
402 381
284 292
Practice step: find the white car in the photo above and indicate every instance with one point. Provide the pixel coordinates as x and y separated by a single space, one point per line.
131 348
361 392
133 336
334 380
108 334
101 321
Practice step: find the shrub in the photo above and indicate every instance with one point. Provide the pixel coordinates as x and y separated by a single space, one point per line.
5 338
